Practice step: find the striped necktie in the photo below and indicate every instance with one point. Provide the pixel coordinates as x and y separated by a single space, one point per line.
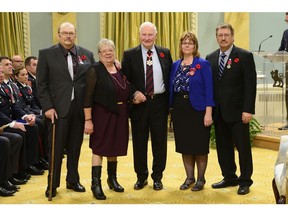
149 74
221 64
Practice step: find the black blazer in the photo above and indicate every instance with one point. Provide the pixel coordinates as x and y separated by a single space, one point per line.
100 88
133 68
54 83
235 92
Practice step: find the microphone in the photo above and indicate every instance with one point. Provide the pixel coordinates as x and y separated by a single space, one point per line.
262 42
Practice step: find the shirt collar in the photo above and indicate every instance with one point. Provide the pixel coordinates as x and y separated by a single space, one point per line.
72 50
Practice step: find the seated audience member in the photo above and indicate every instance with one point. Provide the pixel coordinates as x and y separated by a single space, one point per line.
10 148
26 100
10 107
31 66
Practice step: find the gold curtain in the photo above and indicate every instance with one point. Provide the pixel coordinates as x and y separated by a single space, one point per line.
12 34
123 28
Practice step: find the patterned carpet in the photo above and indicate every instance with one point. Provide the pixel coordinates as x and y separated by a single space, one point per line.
261 191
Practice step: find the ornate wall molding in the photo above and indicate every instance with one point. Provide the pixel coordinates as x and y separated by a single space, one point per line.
26 34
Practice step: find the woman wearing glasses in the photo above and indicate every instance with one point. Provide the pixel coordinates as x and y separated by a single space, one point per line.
191 98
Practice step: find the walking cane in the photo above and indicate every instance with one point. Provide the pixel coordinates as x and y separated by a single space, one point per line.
52 162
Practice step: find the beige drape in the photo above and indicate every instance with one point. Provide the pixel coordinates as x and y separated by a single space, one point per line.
11 34
123 28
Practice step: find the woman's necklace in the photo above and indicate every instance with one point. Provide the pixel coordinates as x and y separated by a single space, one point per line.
116 81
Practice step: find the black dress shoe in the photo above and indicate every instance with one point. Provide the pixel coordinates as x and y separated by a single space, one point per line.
43 164
47 192
285 127
4 192
157 185
32 170
9 186
16 181
187 183
75 186
140 184
242 190
199 185
22 175
225 183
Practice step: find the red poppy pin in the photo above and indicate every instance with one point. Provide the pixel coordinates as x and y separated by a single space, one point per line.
20 94
83 57
162 55
236 60
6 90
198 66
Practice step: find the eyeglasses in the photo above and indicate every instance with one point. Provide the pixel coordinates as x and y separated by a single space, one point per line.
106 51
223 35
19 61
67 33
189 44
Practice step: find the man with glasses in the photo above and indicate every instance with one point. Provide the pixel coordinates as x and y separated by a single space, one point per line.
234 76
284 47
60 84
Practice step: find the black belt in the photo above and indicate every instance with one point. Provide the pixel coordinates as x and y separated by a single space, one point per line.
182 94
154 96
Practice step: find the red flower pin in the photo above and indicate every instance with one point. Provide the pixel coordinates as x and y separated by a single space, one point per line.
6 90
198 66
236 60
83 57
162 55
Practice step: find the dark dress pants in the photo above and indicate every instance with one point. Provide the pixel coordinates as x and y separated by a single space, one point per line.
69 135
228 136
15 143
153 118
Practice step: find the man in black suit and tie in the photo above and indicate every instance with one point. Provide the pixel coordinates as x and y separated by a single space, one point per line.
234 77
147 67
60 84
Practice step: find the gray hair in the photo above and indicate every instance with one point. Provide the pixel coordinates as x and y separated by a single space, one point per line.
107 42
147 24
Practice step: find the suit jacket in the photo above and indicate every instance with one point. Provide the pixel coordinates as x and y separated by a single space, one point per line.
200 84
235 92
133 69
32 83
54 83
9 109
284 42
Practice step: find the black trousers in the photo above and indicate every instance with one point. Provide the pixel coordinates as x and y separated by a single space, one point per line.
69 135
229 136
10 146
153 120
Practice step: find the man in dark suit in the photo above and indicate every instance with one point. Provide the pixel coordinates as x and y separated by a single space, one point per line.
234 78
149 111
60 84
31 66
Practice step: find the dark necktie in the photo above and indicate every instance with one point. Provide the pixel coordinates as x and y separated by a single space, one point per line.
149 74
221 65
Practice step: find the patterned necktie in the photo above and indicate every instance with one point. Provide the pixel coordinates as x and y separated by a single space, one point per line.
149 74
70 68
221 64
